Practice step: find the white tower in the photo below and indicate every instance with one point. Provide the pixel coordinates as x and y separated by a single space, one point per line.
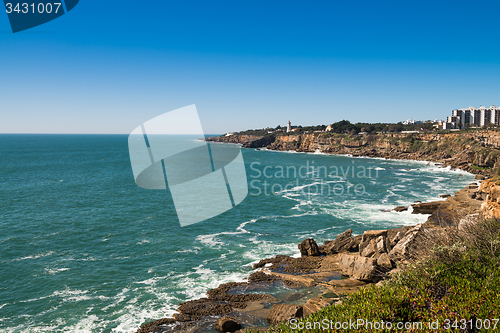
289 127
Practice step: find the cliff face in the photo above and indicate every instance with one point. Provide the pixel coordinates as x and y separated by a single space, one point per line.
476 152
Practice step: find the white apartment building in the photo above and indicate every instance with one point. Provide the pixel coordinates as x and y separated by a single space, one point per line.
473 116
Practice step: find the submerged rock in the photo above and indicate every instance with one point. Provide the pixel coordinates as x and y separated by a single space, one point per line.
400 208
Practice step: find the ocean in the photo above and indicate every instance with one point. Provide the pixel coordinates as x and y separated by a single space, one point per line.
84 249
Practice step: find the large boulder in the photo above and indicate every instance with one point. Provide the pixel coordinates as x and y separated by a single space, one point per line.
308 248
343 243
369 245
384 261
227 324
283 312
359 268
369 248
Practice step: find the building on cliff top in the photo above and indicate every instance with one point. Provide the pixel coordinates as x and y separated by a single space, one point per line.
472 116
289 127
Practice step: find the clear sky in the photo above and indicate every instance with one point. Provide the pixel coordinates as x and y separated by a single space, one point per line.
109 65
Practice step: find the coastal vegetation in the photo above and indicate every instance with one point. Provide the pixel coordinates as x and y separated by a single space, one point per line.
346 127
456 285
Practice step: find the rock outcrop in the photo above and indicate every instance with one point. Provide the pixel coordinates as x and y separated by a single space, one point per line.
343 243
426 207
283 312
359 268
373 243
309 248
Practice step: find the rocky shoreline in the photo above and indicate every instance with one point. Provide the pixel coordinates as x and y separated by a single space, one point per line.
283 287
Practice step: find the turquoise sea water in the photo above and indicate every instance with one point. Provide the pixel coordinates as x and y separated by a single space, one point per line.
83 249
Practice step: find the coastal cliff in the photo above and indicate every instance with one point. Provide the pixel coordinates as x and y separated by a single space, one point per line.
475 152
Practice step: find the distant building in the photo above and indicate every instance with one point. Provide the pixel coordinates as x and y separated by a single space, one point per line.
411 122
289 126
449 125
328 128
472 116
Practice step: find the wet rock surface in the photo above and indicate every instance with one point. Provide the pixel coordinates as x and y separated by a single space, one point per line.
287 264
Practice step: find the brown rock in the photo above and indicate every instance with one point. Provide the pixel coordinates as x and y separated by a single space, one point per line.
443 217
343 243
480 177
382 244
400 208
182 317
155 325
396 238
426 207
445 195
416 243
204 307
367 237
384 261
369 249
472 187
359 268
227 324
283 312
291 265
309 248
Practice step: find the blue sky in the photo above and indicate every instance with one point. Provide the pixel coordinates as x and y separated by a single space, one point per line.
108 66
